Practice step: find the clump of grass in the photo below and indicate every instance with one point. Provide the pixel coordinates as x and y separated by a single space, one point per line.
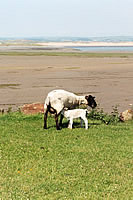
19 110
99 114
9 110
2 111
10 85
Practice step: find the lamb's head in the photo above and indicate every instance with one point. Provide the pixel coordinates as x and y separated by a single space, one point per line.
91 101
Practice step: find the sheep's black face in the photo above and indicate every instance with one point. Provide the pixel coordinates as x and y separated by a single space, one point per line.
91 101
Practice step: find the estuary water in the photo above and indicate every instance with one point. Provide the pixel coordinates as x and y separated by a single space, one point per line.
105 48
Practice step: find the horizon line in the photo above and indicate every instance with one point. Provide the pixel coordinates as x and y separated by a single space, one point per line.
23 37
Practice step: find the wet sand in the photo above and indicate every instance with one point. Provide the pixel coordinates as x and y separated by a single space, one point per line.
28 79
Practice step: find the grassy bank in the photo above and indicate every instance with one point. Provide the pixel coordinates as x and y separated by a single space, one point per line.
78 54
73 164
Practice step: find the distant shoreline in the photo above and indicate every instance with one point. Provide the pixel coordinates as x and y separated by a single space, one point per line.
68 44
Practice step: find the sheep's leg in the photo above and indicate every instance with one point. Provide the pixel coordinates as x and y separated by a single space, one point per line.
56 120
45 119
61 118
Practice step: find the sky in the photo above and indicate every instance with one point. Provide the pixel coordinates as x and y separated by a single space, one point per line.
81 18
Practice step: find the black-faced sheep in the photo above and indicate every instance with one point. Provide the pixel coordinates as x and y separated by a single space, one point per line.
56 100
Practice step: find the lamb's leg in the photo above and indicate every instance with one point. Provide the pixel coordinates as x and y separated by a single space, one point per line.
45 119
70 123
56 120
86 122
81 122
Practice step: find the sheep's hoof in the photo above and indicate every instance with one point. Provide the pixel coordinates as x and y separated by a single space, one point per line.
45 127
58 128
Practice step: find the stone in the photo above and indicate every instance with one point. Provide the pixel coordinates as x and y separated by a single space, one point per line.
33 108
126 115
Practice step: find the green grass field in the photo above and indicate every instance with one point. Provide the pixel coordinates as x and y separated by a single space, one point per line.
77 54
76 164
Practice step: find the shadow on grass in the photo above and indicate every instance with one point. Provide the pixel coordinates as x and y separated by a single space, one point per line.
78 125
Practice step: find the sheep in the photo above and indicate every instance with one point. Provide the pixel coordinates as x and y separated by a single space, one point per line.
74 114
56 100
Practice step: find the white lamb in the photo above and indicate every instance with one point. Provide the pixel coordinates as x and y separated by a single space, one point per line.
74 114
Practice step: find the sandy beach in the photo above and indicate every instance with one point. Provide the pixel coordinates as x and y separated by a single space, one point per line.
85 44
28 79
61 44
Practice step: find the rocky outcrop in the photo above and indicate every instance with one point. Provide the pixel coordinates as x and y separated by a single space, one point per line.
126 115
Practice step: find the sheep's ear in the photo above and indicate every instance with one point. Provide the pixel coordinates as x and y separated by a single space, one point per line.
90 96
86 97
